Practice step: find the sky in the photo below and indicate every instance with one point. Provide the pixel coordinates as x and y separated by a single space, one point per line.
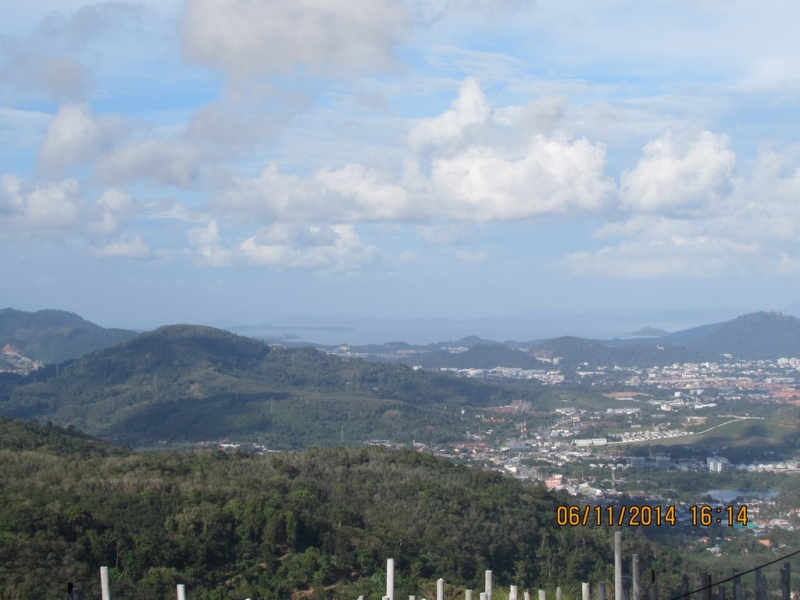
247 161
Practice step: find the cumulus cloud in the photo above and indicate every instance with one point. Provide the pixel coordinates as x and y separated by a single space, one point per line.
59 210
75 135
337 247
462 165
678 173
285 246
470 108
666 247
167 162
746 223
43 210
252 37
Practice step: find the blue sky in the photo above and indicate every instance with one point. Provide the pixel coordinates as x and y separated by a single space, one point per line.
218 161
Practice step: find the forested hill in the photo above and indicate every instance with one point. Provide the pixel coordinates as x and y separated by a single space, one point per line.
576 351
52 336
761 335
482 356
321 523
190 383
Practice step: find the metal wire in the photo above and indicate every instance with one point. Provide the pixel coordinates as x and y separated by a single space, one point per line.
711 585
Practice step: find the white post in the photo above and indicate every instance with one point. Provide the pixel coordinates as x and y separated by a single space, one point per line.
483 596
585 592
526 595
512 593
618 565
488 585
542 595
558 592
104 583
181 592
468 595
440 589
390 578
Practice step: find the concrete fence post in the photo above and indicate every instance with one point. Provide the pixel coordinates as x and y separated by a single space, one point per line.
786 581
757 576
104 589
738 591
684 586
488 585
390 578
440 589
637 590
653 585
181 592
705 584
512 593
618 565
601 590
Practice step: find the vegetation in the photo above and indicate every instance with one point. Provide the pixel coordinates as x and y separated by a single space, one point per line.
55 335
761 335
578 351
188 383
478 357
320 523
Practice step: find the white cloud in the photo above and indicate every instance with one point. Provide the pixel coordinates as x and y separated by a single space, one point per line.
463 165
59 210
750 223
130 247
75 135
470 108
337 247
285 246
52 208
252 37
669 247
166 162
210 246
679 173
552 176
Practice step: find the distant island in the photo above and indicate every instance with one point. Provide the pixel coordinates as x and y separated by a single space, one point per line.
649 332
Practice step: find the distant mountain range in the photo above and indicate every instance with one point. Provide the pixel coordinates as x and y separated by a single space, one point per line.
755 336
53 336
183 384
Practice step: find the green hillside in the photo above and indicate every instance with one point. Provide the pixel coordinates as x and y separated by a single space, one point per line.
477 357
314 525
761 335
55 335
576 351
186 383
